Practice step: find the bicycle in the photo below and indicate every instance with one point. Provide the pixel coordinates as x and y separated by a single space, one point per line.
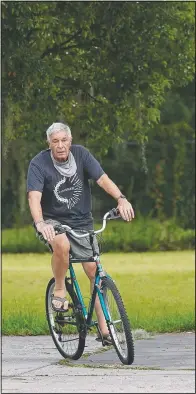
69 329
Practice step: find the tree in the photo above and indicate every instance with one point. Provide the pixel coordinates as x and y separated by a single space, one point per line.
109 64
104 67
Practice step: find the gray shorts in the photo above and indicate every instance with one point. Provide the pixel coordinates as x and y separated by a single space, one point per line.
80 247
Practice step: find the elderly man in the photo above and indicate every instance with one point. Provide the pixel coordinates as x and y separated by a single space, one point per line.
59 192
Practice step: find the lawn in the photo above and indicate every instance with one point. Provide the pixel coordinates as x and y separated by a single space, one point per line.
158 290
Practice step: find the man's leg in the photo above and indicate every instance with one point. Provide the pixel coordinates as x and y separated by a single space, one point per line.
90 269
60 264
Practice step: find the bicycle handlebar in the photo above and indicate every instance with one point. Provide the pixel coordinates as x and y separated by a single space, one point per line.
112 214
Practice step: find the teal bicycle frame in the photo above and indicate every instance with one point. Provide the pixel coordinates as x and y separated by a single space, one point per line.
96 290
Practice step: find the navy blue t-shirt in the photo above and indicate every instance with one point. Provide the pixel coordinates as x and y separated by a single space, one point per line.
66 199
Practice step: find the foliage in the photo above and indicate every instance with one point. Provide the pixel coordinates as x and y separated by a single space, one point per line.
141 235
112 79
121 74
167 188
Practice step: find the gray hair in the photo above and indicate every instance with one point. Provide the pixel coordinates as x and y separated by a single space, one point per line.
55 127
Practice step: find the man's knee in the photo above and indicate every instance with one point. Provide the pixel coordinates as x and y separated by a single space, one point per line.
90 270
60 245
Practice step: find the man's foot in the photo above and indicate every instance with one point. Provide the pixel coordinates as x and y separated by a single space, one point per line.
106 338
59 304
59 301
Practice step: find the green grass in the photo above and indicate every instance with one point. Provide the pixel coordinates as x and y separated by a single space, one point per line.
158 290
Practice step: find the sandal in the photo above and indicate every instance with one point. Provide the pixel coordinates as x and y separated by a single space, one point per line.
62 307
106 339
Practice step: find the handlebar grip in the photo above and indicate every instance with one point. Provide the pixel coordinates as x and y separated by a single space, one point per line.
114 214
59 229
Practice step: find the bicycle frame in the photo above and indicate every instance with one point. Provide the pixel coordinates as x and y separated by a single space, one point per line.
88 312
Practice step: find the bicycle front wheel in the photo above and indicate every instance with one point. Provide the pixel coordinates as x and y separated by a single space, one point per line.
118 324
68 329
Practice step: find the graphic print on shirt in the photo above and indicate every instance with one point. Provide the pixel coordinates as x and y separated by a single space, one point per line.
69 190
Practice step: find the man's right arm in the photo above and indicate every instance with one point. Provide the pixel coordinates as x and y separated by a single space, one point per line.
34 198
47 230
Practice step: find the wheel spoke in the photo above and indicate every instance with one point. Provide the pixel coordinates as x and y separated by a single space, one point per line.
67 328
119 325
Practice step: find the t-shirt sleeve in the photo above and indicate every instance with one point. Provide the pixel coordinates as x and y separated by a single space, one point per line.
35 178
92 166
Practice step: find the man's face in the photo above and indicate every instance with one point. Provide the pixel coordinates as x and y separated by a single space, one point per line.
60 143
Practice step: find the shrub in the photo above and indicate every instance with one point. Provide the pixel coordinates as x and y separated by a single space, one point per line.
143 234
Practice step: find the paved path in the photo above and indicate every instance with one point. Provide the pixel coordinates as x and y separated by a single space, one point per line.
163 363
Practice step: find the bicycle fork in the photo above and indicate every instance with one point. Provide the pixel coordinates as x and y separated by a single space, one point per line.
99 291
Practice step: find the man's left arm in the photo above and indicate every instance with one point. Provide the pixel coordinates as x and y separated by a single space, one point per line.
124 206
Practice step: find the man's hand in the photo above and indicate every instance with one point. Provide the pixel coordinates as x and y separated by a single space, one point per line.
125 209
47 230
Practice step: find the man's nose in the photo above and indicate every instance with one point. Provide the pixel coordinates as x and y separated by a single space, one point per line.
60 144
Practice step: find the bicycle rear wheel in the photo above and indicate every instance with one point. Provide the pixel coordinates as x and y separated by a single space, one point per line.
68 329
119 324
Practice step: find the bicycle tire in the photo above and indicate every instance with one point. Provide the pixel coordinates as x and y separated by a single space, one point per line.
121 335
68 329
